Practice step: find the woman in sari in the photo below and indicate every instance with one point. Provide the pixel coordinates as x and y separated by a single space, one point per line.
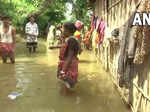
68 60
87 38
7 40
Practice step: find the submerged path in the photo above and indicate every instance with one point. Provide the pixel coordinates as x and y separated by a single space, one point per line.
34 77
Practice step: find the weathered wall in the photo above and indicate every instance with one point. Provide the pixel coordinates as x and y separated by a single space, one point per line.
116 16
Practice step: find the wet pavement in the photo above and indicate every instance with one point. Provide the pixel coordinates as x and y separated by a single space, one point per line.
34 77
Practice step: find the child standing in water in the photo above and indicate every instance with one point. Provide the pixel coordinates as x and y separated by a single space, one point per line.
32 33
7 40
68 61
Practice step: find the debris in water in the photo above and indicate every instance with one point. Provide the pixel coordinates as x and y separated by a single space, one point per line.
13 96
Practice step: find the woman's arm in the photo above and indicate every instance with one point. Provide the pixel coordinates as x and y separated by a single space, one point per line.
14 35
55 47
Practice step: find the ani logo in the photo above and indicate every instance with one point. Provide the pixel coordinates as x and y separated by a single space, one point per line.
143 20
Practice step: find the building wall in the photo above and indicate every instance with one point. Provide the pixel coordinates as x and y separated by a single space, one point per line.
116 16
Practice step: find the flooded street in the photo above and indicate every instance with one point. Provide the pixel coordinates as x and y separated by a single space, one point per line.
34 78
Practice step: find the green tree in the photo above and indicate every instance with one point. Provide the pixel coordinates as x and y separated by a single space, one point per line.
46 11
80 11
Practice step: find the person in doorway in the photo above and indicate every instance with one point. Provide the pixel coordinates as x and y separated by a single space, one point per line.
68 60
32 31
7 40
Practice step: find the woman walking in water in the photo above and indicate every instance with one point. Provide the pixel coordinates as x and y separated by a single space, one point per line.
7 40
68 61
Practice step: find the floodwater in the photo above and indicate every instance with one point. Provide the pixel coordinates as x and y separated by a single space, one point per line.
34 77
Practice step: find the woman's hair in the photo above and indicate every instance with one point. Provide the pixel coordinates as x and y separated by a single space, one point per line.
74 46
32 16
70 27
5 17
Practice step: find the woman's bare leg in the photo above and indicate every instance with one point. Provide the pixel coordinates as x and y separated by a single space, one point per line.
67 85
34 49
12 58
30 49
4 58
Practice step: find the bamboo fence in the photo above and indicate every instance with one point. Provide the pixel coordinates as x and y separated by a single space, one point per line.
118 12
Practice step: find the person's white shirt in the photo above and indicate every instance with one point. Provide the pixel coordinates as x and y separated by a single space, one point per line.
6 37
32 32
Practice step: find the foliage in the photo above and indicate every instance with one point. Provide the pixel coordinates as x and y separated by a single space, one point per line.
19 10
54 14
80 11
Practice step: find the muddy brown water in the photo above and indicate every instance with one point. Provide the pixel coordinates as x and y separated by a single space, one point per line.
34 77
